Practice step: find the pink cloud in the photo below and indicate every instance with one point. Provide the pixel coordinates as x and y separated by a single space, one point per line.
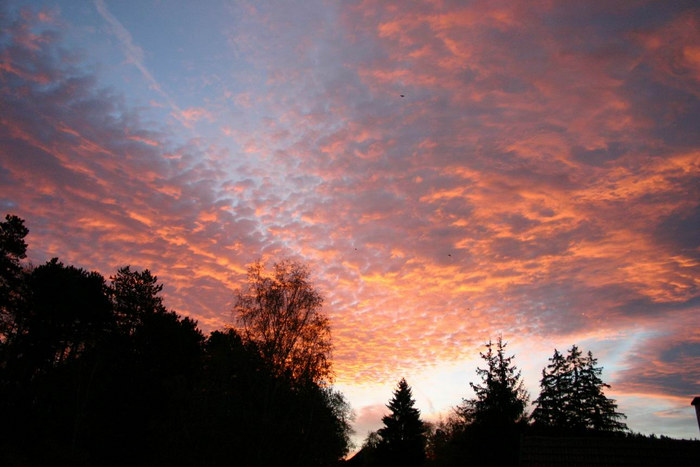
538 178
194 114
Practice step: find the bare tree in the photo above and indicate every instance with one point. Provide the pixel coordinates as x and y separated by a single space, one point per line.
281 312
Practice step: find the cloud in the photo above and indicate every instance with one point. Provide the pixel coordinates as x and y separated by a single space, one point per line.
101 190
367 417
517 186
135 55
538 179
666 363
193 114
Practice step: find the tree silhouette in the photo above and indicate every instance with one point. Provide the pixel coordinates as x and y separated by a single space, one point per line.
93 373
46 369
281 313
135 295
368 454
12 249
69 310
403 436
599 412
571 396
152 365
248 409
495 418
555 391
500 398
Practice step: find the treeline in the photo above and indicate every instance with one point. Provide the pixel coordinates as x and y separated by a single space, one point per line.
488 429
99 372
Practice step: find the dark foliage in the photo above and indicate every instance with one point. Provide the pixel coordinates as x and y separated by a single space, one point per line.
485 430
500 398
554 394
402 439
102 373
12 249
281 313
93 373
489 429
571 396
262 418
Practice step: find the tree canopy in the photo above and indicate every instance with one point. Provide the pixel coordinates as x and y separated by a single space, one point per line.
572 395
281 312
402 439
13 249
485 429
500 399
103 373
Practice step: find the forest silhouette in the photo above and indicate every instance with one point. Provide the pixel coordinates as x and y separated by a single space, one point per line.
97 371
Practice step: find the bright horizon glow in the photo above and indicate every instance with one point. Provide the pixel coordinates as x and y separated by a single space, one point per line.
450 173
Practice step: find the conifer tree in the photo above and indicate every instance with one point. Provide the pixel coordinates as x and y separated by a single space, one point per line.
403 436
135 296
599 413
572 398
501 398
549 406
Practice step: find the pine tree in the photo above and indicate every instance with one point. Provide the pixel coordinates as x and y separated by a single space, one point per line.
599 412
135 296
549 406
574 407
501 398
403 435
572 398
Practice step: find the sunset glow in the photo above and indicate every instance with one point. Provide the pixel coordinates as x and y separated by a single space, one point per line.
450 172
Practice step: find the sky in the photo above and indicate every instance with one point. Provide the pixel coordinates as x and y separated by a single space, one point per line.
450 171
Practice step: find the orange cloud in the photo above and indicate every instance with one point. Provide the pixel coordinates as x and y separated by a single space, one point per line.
538 178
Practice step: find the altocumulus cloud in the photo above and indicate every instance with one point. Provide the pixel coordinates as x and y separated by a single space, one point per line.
539 178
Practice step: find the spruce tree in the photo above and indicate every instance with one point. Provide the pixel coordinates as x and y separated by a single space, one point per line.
571 396
494 419
599 412
550 405
501 398
574 399
403 435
